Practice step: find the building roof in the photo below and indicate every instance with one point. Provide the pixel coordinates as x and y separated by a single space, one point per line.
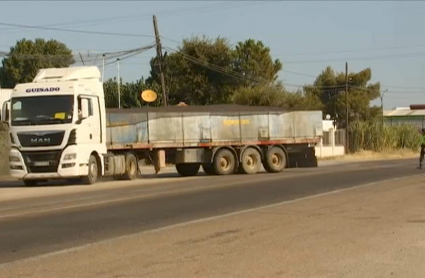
403 113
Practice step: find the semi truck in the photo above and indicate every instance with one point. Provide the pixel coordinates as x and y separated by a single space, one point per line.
60 128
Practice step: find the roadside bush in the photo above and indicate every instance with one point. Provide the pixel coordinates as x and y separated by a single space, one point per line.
378 137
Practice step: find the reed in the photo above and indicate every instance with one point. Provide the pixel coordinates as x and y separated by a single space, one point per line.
378 137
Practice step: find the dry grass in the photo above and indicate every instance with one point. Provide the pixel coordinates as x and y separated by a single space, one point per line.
372 155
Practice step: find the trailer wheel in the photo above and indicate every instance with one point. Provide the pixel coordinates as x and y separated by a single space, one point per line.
188 169
224 162
275 160
93 175
131 167
208 169
251 161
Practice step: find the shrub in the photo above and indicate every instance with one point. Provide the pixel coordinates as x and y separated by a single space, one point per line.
375 136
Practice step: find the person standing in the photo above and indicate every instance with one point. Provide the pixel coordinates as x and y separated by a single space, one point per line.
421 158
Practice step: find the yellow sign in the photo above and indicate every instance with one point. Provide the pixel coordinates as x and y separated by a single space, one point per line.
237 122
149 95
60 115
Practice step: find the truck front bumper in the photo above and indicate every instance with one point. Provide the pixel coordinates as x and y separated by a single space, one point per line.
44 165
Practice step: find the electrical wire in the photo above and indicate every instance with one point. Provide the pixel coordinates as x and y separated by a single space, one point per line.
75 31
172 12
349 51
382 57
256 80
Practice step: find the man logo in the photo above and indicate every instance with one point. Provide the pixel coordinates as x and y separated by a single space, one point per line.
40 140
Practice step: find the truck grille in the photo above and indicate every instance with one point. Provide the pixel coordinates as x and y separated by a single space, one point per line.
41 139
42 162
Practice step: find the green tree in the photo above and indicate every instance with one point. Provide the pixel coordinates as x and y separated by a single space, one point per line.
197 72
27 57
260 95
130 94
329 87
204 71
275 95
252 59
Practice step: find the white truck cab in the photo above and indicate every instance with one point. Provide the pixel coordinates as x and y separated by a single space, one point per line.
57 126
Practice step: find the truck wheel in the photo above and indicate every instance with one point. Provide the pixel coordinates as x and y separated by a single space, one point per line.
208 169
188 169
224 162
250 161
30 183
93 175
131 167
275 160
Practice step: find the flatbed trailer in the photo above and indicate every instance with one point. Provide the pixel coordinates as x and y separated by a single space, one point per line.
191 136
60 129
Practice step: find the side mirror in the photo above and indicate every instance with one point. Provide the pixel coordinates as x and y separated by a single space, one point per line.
84 108
5 112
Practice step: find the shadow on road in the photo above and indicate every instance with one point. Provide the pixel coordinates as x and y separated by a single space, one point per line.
147 174
8 182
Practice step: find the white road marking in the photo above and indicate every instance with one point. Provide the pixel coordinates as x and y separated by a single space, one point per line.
81 247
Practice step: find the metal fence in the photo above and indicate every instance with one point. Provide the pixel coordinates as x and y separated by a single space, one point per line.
339 138
327 138
418 121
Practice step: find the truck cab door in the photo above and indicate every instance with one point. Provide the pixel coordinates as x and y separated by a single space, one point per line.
89 119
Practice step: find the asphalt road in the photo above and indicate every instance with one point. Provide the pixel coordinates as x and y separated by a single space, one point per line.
34 226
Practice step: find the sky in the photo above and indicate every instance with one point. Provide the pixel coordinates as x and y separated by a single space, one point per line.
306 36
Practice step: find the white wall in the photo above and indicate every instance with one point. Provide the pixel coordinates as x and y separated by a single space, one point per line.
332 150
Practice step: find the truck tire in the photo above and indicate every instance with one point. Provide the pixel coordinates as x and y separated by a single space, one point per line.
275 160
208 169
188 169
250 161
131 167
93 174
30 183
224 162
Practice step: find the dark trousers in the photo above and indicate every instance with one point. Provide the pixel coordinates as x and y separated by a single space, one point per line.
421 158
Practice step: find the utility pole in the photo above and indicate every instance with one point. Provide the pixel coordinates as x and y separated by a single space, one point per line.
103 66
382 104
382 100
346 109
119 83
159 59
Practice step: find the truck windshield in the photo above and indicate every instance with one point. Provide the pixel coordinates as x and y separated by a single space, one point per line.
42 110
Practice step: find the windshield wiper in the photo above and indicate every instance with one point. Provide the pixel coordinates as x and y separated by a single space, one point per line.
51 121
24 122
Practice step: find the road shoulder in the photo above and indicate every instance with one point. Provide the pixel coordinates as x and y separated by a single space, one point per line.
375 230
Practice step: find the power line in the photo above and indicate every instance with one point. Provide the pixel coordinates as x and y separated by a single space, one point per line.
312 76
395 56
235 74
350 51
75 31
172 12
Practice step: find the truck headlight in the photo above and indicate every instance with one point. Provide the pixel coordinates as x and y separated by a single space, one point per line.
13 158
70 156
